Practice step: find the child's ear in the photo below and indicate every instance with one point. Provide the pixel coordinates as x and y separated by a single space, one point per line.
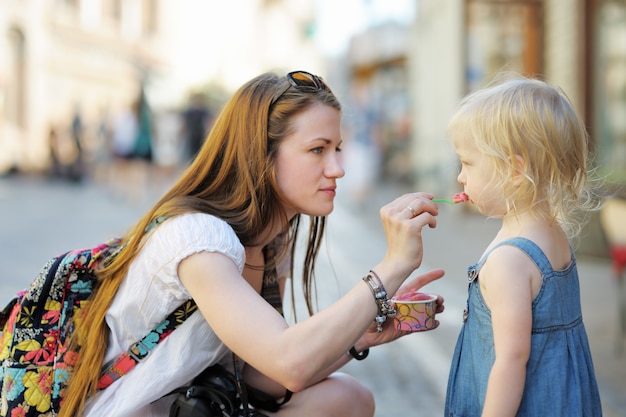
520 169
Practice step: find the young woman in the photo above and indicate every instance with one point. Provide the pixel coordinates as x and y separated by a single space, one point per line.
523 349
272 155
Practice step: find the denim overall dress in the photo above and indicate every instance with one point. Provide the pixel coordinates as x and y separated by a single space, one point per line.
560 379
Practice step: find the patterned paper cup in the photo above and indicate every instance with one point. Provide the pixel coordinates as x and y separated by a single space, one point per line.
416 315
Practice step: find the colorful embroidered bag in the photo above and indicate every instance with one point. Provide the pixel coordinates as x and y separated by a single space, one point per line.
36 362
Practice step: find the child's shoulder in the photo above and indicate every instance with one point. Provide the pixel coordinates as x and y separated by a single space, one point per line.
513 255
512 268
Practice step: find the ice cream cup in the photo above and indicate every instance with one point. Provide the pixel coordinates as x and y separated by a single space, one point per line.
415 315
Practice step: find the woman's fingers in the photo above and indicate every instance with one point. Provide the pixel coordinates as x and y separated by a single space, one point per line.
403 220
410 205
421 280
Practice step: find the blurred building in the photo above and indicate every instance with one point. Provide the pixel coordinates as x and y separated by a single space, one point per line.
378 60
82 60
458 45
66 59
453 47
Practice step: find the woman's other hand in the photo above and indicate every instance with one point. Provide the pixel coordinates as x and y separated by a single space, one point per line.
373 338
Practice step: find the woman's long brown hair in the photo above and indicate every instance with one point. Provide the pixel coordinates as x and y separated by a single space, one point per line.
232 177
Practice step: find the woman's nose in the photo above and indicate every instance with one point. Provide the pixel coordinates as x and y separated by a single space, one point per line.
335 167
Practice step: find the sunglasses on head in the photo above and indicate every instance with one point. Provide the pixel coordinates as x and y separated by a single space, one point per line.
301 79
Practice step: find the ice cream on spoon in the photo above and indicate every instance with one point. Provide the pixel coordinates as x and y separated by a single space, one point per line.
458 198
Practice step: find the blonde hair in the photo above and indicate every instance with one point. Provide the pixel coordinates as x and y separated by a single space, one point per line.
522 117
233 178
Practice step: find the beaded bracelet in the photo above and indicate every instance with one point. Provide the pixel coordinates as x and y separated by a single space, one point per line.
385 308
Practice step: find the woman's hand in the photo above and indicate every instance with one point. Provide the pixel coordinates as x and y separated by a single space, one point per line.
418 282
373 338
403 220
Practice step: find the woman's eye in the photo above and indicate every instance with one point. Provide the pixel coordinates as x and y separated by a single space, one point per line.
317 150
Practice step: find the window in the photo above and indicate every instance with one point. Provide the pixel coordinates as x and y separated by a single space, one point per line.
610 92
113 10
502 35
150 16
16 85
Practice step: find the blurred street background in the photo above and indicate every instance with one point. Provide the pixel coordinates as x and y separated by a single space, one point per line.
103 102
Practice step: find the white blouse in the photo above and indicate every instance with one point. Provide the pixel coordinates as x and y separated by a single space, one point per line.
151 291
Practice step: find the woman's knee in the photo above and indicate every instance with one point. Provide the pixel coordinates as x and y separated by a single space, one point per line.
347 397
339 395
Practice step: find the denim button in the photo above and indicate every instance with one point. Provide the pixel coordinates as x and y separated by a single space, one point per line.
472 274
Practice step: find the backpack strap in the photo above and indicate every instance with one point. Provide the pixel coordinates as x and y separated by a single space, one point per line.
139 350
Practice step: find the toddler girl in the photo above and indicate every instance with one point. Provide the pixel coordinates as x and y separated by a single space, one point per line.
523 349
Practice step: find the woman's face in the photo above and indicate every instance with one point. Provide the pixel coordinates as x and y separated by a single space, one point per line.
309 162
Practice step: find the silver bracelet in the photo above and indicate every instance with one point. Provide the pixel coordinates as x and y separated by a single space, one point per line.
385 308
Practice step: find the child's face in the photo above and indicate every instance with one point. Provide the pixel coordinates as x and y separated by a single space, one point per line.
477 177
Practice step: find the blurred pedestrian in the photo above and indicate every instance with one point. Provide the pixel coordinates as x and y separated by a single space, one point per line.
125 127
102 158
224 236
65 147
141 163
362 149
523 349
143 140
168 153
76 169
124 132
196 122
55 169
133 136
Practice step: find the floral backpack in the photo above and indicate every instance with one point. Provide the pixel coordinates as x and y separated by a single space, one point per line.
35 360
